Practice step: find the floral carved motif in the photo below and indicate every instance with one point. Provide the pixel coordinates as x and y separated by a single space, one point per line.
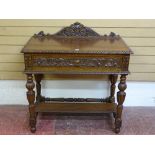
77 29
80 62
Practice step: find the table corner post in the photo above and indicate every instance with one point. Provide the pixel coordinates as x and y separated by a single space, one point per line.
31 99
120 99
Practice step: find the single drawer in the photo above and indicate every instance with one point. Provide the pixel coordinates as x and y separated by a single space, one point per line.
76 63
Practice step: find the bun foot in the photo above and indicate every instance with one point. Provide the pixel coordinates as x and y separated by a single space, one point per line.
117 130
33 129
33 125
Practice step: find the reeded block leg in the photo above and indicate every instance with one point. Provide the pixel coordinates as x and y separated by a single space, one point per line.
31 99
38 78
120 99
113 80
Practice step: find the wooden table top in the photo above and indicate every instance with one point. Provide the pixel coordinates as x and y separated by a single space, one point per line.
56 44
76 39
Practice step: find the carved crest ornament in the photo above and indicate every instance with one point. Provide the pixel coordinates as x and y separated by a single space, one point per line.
77 30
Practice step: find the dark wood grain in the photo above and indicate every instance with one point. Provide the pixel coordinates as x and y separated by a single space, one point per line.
76 63
76 49
76 100
113 80
120 99
75 107
31 99
76 39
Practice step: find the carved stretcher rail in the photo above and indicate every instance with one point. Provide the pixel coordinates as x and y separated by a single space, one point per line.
101 100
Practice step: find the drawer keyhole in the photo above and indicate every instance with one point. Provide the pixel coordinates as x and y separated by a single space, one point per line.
77 61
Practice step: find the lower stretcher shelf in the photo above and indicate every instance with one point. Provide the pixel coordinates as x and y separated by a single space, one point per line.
93 107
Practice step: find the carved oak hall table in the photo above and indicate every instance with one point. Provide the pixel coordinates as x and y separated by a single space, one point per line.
76 50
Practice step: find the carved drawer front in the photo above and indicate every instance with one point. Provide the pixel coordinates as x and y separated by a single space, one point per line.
63 63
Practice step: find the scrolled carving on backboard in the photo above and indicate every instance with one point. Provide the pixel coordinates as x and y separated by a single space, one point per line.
80 62
77 29
41 35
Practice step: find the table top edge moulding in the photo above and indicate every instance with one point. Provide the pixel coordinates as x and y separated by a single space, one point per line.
76 49
76 34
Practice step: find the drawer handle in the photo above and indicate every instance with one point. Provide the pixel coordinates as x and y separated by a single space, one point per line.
77 61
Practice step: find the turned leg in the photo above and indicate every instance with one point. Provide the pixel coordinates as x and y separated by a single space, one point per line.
31 99
113 80
38 78
120 99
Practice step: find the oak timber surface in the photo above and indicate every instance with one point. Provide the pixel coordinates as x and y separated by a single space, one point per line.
88 44
138 34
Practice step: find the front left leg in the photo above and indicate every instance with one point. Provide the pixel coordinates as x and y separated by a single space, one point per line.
120 99
31 98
